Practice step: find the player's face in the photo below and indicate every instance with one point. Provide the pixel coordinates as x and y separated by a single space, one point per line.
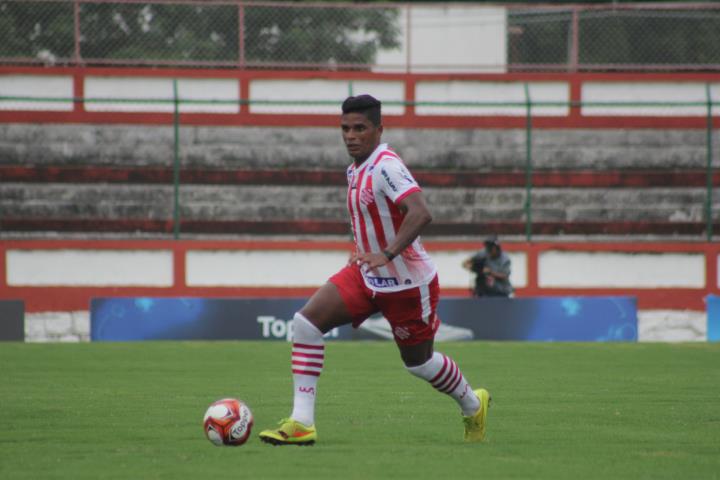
361 137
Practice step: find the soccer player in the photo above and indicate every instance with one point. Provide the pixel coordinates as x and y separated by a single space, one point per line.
389 272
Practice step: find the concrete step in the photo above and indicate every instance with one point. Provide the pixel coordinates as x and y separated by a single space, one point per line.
321 203
303 148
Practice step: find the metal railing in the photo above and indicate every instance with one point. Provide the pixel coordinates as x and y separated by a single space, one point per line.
336 36
528 104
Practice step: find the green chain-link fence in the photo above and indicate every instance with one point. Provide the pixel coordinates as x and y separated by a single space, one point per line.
238 34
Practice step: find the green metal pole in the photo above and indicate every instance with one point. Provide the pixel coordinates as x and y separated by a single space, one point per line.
709 157
528 165
176 162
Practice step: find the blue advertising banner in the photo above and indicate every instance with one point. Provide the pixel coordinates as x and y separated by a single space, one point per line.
713 318
144 318
539 319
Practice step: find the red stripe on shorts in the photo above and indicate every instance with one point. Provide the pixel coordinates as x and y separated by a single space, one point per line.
305 372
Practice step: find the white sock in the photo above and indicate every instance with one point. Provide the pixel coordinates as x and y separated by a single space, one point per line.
308 355
445 376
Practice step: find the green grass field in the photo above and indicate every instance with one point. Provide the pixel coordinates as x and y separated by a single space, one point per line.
135 410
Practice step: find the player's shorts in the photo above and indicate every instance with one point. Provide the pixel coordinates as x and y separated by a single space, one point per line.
412 313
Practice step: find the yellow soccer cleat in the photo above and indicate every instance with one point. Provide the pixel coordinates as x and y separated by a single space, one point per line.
290 432
475 424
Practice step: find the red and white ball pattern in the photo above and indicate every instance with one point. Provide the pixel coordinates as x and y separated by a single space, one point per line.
228 422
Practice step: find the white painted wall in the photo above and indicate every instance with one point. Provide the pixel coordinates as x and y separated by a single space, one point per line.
618 270
101 268
158 93
37 86
492 92
647 92
449 38
257 268
329 94
298 268
118 93
302 268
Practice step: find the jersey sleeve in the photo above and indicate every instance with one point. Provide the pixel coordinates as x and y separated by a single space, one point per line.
395 180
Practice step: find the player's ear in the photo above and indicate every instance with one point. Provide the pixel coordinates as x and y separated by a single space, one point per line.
380 129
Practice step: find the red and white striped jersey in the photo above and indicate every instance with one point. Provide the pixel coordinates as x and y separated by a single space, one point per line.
375 188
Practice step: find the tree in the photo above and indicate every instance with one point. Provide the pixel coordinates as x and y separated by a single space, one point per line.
616 37
196 32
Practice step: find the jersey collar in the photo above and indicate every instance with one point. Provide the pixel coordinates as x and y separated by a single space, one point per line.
373 156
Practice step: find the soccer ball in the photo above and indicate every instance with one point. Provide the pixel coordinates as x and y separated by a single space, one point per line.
228 422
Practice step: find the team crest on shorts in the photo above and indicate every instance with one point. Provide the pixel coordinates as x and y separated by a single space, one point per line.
402 333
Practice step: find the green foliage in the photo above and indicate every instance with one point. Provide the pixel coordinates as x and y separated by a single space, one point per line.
692 37
134 410
319 35
159 32
36 29
196 32
626 37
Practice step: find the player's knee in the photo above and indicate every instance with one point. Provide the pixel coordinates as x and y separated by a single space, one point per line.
304 331
415 359
421 369
416 355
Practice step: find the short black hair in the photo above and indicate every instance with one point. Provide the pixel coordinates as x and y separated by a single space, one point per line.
365 104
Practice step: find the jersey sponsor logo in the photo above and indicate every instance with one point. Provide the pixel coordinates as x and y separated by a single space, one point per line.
406 175
390 183
367 196
382 282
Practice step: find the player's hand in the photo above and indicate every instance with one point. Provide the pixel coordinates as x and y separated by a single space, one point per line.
371 260
353 257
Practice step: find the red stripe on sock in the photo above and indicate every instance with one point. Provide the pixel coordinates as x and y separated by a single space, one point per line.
311 347
446 376
305 372
449 378
456 377
442 370
308 355
307 364
455 385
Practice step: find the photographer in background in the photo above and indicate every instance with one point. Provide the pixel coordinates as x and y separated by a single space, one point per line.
492 269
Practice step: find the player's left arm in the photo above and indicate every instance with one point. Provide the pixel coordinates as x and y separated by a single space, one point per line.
416 216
